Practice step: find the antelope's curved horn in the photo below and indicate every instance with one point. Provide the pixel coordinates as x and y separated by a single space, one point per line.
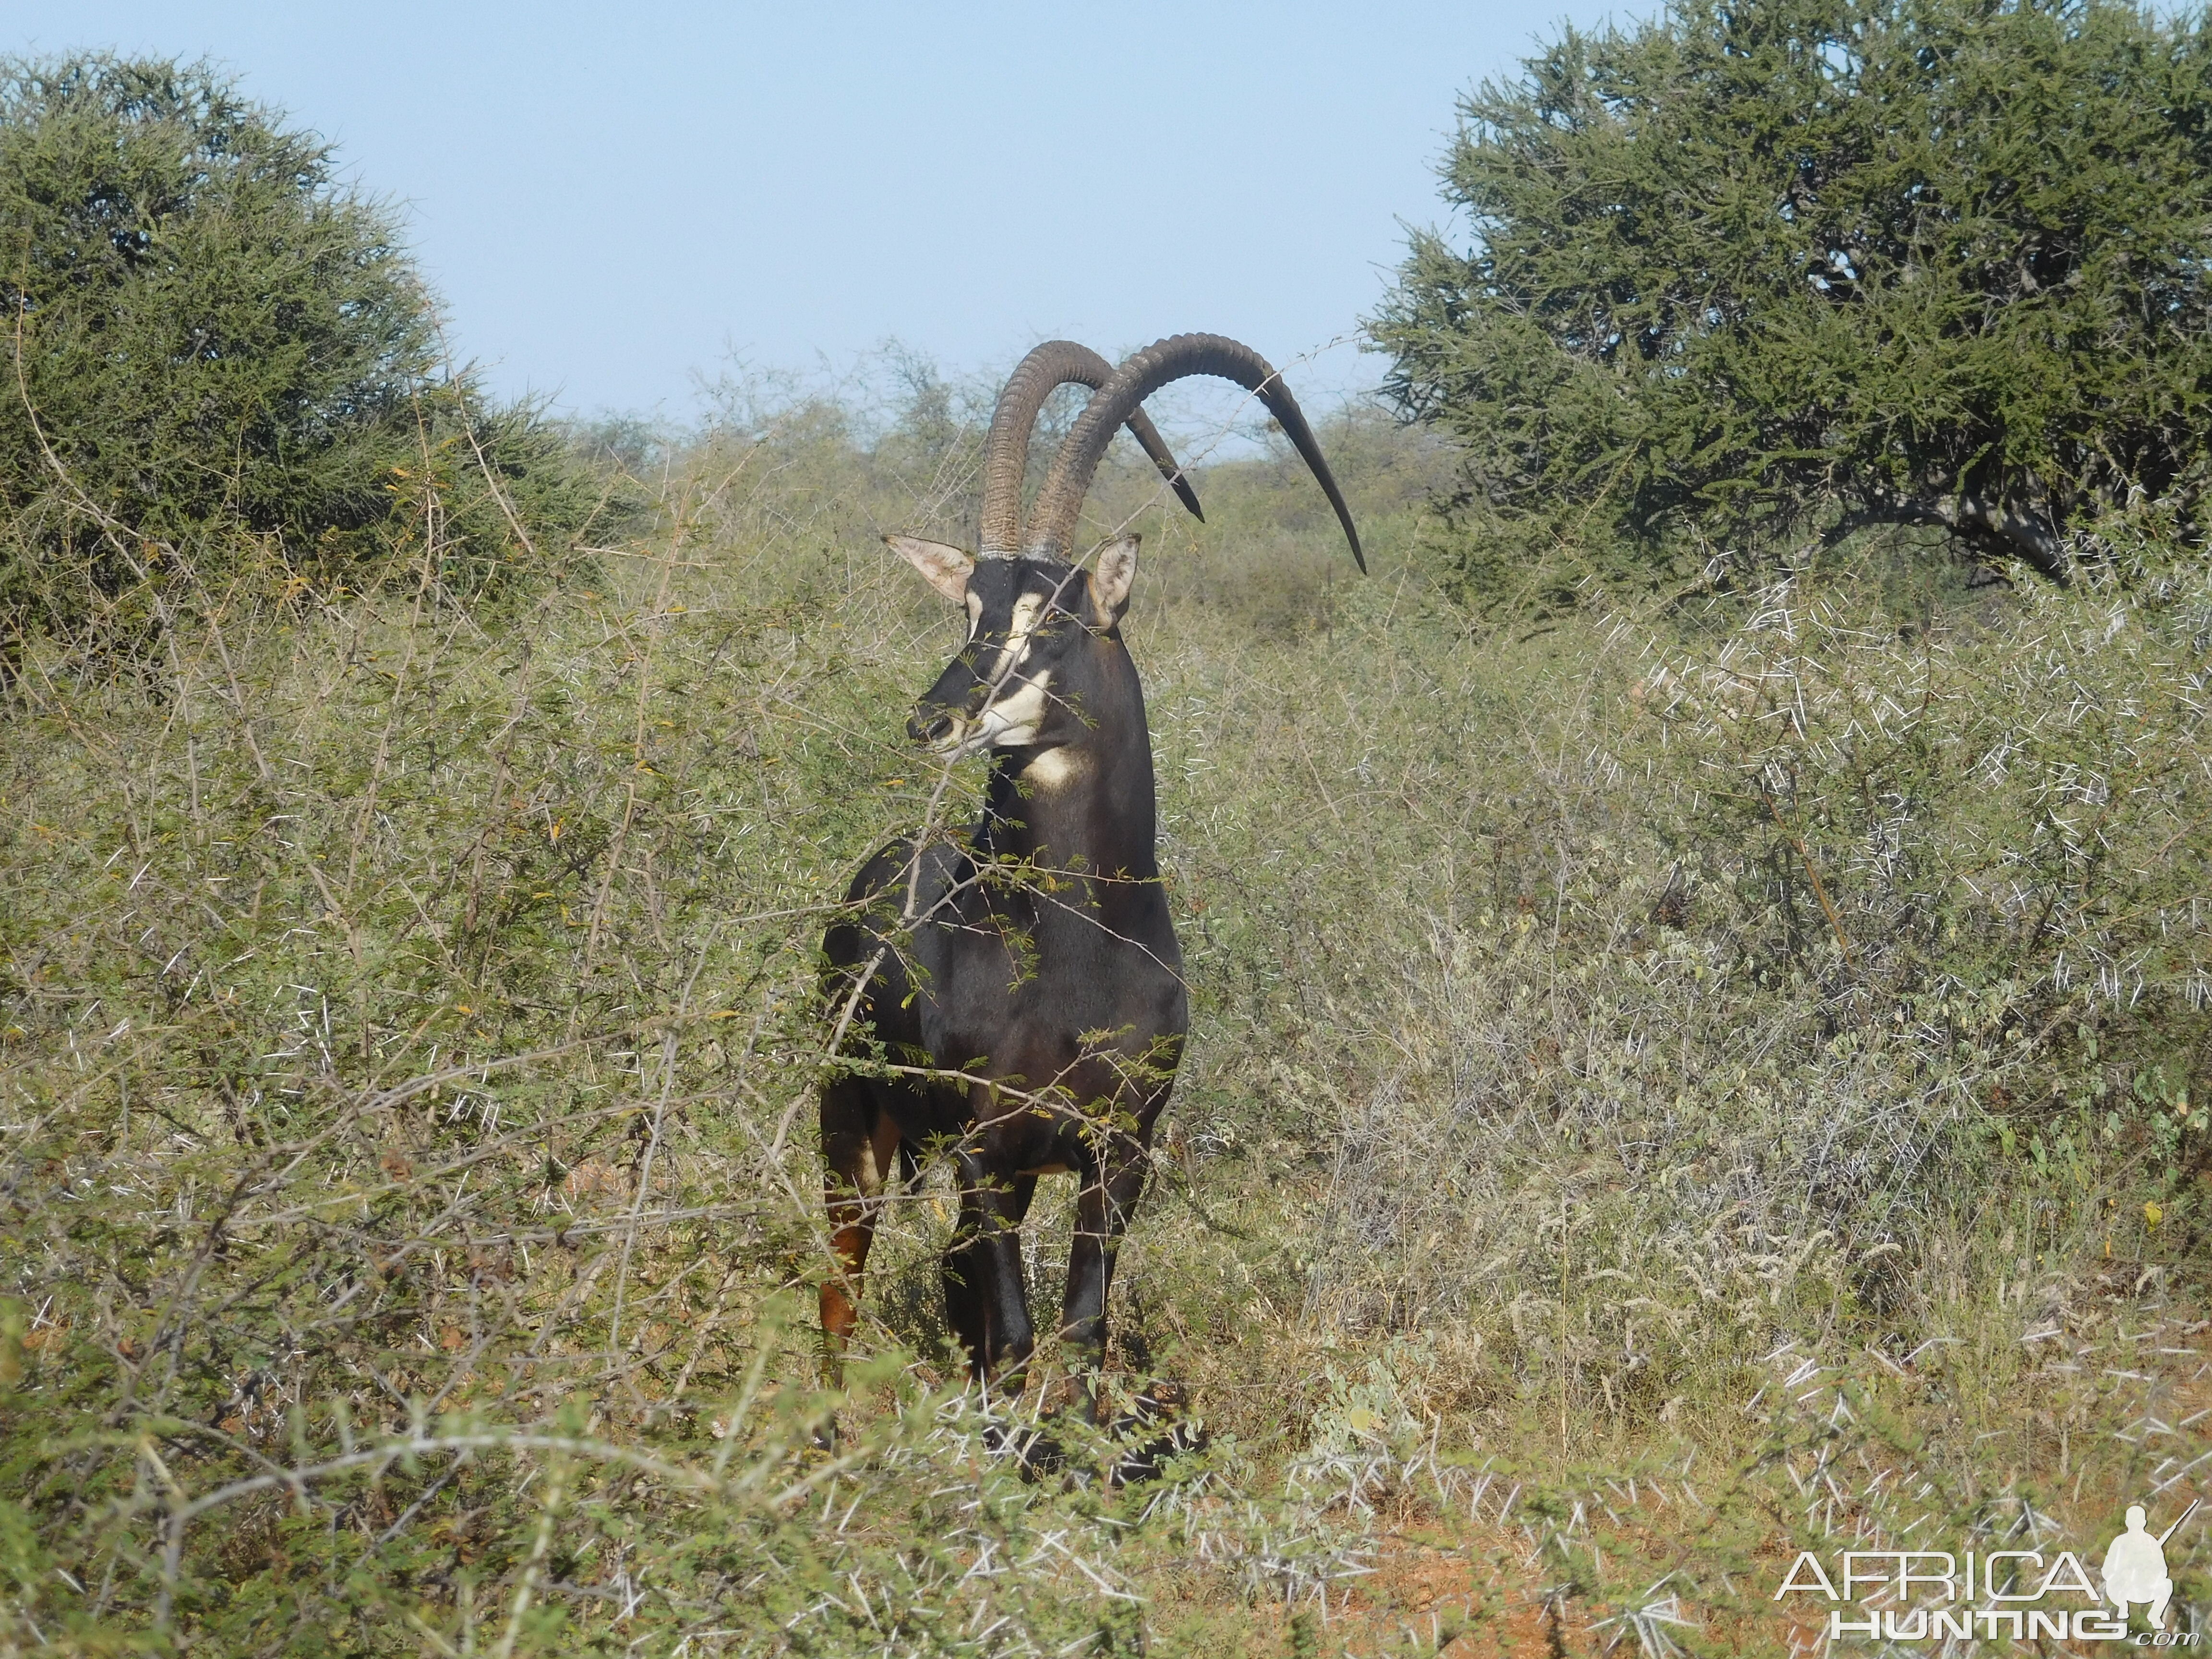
1052 525
1007 452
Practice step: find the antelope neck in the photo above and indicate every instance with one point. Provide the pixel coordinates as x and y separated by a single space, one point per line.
1084 807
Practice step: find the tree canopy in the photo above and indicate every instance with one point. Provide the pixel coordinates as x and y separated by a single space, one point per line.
207 327
1760 266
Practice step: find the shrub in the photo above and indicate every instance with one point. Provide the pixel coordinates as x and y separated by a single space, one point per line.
209 336
1753 268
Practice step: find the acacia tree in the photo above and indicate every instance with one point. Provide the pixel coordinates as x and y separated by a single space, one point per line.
1777 262
205 331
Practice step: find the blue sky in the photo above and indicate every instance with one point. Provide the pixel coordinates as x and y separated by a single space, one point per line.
615 200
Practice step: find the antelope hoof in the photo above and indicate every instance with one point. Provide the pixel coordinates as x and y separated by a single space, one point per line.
1154 1433
1034 1448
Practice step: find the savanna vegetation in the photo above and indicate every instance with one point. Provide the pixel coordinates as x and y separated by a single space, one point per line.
1685 1068
214 345
1757 272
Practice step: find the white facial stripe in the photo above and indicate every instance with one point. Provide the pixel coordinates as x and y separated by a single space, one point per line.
975 602
1011 720
1028 610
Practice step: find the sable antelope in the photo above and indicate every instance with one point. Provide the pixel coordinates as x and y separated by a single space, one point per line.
1025 990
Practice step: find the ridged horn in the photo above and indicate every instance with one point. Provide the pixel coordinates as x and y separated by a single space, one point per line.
1007 452
1052 523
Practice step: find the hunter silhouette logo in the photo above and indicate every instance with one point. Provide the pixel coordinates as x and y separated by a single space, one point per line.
2134 1566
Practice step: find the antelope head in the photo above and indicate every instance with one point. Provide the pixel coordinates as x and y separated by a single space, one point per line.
1043 645
1044 650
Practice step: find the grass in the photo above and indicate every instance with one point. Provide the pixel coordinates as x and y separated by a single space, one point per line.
1702 1079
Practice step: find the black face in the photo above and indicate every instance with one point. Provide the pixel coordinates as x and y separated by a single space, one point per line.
1017 682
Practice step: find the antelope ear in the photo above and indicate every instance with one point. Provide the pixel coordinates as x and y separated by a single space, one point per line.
1112 577
945 569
